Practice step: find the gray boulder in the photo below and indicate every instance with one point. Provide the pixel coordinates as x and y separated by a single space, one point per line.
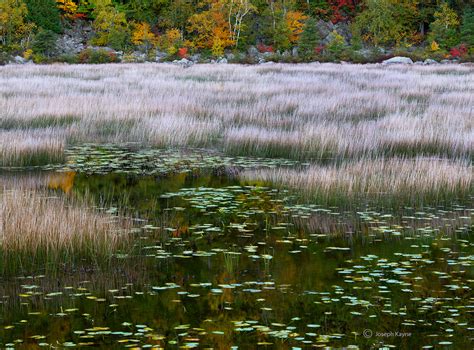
429 61
398 60
222 60
185 63
160 56
19 60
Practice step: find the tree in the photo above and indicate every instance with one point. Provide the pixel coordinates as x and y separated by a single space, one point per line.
45 14
13 25
237 10
467 28
143 36
210 26
68 8
309 38
110 25
444 29
295 23
44 43
380 23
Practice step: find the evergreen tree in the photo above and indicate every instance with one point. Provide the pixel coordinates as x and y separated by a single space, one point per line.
309 38
467 28
44 14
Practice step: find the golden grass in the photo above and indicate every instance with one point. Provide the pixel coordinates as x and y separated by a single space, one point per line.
409 180
39 227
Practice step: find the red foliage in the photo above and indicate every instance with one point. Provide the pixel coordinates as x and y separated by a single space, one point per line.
183 52
343 9
459 51
319 49
79 16
264 48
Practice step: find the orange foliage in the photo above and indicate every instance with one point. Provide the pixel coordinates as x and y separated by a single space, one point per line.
295 22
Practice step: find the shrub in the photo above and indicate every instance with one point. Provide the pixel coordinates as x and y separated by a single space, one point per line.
183 52
97 56
262 48
45 43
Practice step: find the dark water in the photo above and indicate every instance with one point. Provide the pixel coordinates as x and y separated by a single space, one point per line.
218 264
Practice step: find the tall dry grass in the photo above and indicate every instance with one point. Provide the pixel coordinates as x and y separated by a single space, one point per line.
409 181
36 227
305 111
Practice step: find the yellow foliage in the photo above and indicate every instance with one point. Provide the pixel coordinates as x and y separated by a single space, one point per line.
67 7
295 22
210 25
142 35
434 46
217 47
27 54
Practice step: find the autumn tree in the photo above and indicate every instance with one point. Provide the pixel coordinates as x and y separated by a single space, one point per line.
295 22
110 25
13 25
380 23
143 36
68 8
444 29
211 26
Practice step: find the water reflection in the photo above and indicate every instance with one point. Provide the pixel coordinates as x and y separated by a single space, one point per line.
219 265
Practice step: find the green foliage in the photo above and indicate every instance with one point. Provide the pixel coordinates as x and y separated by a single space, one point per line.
444 29
281 35
44 43
13 26
467 28
110 25
380 23
44 14
336 44
309 38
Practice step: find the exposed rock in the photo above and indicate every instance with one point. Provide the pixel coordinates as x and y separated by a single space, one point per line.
419 63
294 52
222 60
230 56
398 60
429 61
74 39
160 56
267 63
185 63
19 60
261 61
252 51
195 58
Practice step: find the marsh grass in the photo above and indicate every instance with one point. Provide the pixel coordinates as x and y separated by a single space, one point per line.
396 181
38 228
304 111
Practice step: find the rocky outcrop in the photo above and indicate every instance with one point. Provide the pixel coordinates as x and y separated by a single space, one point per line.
398 60
74 39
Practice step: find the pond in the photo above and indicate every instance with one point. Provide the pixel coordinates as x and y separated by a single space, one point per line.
218 263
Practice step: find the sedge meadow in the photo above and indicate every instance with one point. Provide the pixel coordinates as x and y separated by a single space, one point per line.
278 206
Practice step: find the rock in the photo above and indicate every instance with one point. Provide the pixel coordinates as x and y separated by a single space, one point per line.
419 63
429 61
294 52
261 61
222 60
448 61
160 55
398 60
230 56
185 63
19 60
139 56
252 51
195 58
324 28
267 63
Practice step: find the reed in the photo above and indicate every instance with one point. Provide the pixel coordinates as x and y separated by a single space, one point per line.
397 180
41 229
304 111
